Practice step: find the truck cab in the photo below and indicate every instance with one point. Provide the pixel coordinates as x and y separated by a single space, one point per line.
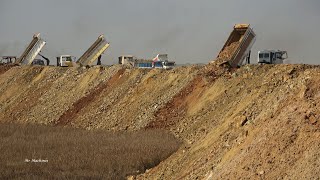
8 59
126 59
161 61
65 60
168 64
272 56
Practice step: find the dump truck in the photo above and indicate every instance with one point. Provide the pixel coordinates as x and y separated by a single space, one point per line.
32 50
272 56
94 52
160 62
8 59
238 46
88 58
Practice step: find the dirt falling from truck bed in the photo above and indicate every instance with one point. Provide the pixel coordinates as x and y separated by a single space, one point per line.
228 52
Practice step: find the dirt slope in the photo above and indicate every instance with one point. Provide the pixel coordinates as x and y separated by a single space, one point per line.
259 121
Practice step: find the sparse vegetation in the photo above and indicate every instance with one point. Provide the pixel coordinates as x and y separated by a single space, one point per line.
79 154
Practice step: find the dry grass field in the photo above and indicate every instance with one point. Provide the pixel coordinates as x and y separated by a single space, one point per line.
43 152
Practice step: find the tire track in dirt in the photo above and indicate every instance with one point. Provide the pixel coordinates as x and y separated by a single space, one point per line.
83 102
176 109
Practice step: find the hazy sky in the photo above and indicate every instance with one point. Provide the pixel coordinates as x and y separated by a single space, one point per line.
190 31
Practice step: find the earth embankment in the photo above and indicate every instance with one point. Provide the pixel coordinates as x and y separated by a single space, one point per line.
258 121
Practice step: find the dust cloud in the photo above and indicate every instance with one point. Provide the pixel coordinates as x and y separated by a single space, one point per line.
189 31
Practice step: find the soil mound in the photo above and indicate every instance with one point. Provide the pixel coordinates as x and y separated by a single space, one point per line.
257 121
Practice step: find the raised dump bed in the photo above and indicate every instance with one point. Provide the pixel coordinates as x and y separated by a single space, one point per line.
95 50
32 50
237 47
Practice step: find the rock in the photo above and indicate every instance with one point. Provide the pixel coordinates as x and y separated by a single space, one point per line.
241 120
313 120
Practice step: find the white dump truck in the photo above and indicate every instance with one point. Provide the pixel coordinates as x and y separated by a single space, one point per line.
88 58
243 36
32 50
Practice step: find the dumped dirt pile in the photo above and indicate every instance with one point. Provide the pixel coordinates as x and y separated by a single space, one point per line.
259 121
262 122
43 94
90 98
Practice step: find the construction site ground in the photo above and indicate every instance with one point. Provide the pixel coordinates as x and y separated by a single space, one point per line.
257 121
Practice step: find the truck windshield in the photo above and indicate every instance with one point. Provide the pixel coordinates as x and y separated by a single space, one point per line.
169 63
278 55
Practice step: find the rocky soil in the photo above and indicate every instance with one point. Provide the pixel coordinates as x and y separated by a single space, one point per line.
226 54
258 121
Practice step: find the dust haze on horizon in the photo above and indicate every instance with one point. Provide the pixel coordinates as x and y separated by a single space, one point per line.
189 31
